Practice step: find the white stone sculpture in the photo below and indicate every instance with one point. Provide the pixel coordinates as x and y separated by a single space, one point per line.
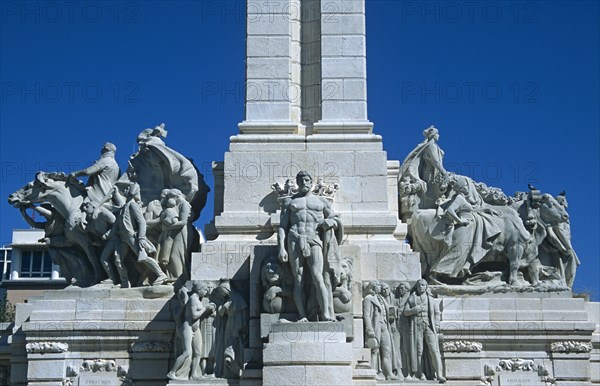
188 331
88 225
425 324
377 331
463 228
308 238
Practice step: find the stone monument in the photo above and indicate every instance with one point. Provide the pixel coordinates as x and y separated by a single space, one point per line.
326 263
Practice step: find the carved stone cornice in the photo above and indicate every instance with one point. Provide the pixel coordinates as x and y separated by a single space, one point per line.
570 346
462 346
46 347
150 346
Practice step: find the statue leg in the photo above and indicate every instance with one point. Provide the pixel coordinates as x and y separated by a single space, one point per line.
434 354
385 347
155 268
119 256
107 251
85 242
534 271
514 253
419 343
196 355
316 270
296 264
179 366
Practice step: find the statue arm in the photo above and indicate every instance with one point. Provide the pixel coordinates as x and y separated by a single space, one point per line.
184 214
281 232
136 213
367 312
96 168
436 314
198 309
410 311
451 209
331 219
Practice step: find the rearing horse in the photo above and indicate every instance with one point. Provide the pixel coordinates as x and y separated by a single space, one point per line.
66 196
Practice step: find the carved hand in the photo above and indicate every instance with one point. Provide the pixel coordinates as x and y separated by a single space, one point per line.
283 255
328 224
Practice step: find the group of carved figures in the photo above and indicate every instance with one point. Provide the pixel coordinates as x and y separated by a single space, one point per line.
121 229
469 233
401 329
211 331
137 227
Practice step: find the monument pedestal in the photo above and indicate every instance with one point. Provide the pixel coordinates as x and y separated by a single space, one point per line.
506 337
94 336
307 354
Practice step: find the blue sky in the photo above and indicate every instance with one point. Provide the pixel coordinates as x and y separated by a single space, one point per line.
513 88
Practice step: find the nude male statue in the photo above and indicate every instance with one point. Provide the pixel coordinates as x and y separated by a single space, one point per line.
303 217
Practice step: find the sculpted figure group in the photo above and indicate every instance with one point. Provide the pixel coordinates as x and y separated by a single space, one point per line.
470 234
402 331
211 331
121 229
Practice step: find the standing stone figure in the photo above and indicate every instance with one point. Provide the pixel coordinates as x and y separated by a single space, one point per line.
188 322
130 229
424 165
559 241
231 322
425 315
404 338
306 238
377 332
102 175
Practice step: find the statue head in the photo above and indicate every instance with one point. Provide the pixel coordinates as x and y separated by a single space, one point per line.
385 289
200 287
421 286
346 269
402 289
461 185
271 272
431 133
108 148
133 192
304 181
88 208
374 287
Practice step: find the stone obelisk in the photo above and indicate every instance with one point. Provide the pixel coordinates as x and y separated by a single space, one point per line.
306 109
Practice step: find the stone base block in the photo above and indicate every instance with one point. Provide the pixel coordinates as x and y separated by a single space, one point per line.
307 354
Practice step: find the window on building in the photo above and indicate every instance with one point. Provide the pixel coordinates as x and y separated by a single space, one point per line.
35 264
5 263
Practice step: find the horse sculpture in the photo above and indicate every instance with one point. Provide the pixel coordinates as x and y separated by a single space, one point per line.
66 196
514 243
